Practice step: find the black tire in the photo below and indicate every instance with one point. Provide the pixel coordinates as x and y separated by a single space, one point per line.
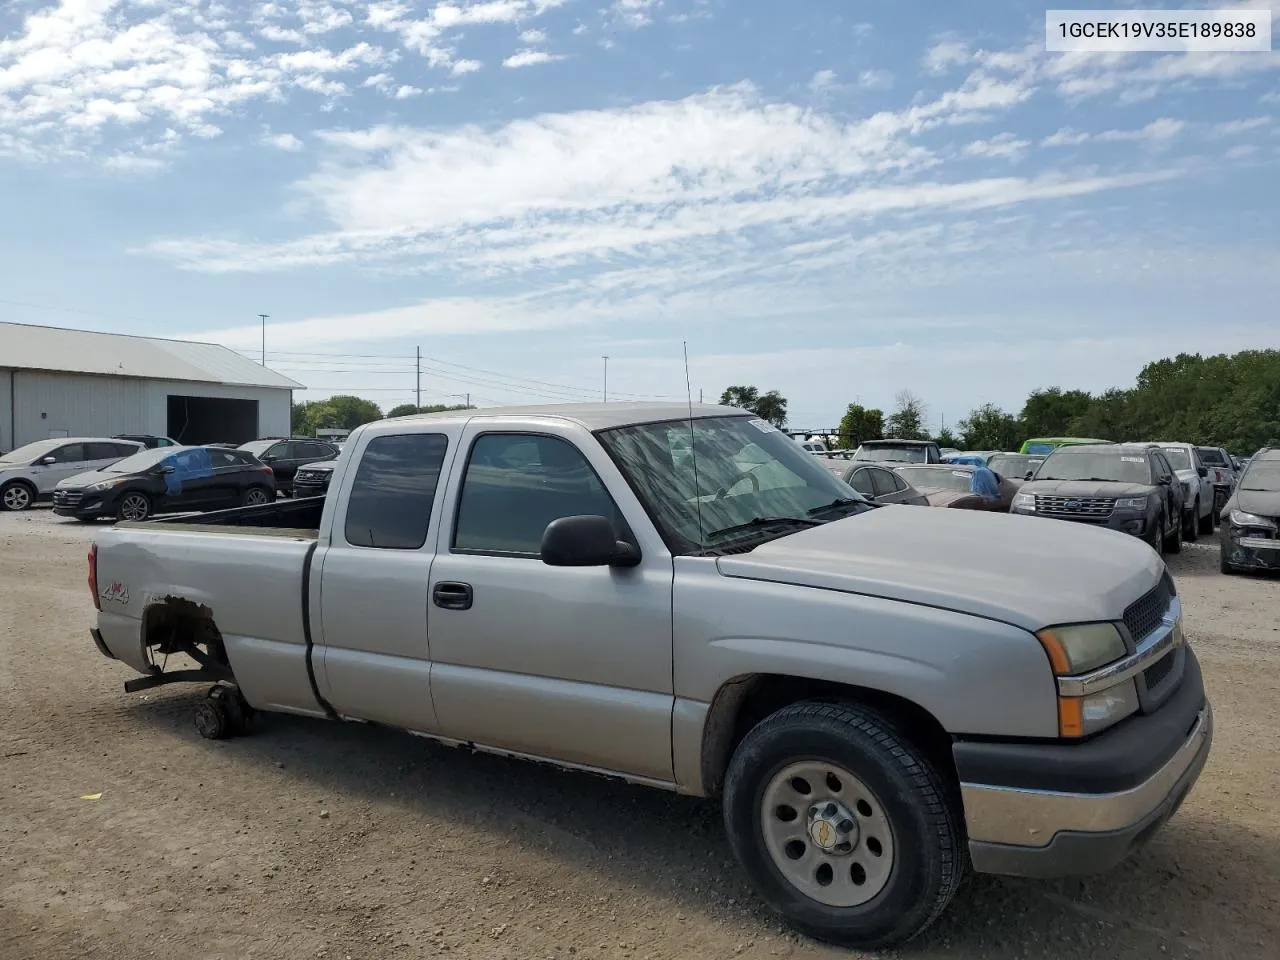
1158 539
1190 528
1225 567
1173 540
930 855
16 496
255 496
238 711
1206 523
131 501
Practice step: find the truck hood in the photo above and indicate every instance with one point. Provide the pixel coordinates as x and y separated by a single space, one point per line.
1086 488
1028 571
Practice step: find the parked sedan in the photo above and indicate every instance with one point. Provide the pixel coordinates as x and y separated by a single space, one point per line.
31 472
1015 464
285 456
951 485
1249 538
878 484
165 480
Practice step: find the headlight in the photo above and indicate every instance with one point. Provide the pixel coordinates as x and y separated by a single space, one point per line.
1081 647
1131 503
103 485
1078 648
1242 519
1024 501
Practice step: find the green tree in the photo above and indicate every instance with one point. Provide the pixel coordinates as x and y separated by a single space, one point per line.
945 438
907 420
860 423
342 411
408 409
1049 412
990 428
771 406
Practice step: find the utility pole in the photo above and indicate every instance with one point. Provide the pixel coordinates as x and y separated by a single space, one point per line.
263 317
468 399
606 379
417 390
699 394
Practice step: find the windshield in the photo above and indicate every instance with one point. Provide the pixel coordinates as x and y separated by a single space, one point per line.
32 451
1068 464
1263 476
1013 464
884 453
747 470
140 461
933 478
1178 458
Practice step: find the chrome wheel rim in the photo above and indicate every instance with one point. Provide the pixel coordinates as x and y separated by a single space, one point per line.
255 498
17 497
134 507
827 833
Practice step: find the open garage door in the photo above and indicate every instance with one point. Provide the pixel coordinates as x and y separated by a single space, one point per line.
212 420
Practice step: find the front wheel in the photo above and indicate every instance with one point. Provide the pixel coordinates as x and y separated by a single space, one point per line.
16 496
1158 538
844 826
134 506
1190 526
1173 539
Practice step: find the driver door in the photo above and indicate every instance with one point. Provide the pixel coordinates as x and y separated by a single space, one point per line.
567 663
68 460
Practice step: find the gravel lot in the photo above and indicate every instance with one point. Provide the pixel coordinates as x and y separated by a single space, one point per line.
313 839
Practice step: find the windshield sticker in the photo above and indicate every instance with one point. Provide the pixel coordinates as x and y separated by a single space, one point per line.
960 473
764 426
1131 460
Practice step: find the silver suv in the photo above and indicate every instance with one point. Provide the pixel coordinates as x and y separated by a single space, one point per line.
30 473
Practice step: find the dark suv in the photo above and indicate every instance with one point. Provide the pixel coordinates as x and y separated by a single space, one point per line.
286 454
1127 487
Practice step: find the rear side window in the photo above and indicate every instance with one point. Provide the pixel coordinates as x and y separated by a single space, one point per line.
394 488
884 482
861 481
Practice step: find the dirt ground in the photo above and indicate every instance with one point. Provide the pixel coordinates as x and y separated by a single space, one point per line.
320 840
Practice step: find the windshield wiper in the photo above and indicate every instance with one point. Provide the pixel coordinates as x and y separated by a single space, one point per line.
840 502
765 522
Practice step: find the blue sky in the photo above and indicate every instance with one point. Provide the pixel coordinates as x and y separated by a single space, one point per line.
835 199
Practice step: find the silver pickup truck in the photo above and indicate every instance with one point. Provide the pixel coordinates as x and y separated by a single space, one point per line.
880 697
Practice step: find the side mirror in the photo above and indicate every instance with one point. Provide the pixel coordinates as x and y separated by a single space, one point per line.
47 461
1203 471
1165 479
585 541
1028 475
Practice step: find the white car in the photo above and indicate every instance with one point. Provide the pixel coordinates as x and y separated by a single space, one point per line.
1198 515
30 473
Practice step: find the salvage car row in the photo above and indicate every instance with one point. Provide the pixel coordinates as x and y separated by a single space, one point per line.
1163 493
133 477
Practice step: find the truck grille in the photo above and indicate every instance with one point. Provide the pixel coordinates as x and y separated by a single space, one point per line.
67 498
1144 614
1078 508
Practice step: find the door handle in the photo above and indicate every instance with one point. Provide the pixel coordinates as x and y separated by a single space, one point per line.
452 595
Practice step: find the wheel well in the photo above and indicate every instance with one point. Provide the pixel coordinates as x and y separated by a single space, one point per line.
745 701
176 622
20 482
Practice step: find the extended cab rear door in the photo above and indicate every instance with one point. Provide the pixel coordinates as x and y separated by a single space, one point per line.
568 663
371 653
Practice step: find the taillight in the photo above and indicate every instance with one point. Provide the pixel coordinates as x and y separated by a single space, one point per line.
93 576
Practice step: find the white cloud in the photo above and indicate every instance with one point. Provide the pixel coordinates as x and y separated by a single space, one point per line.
942 56
1233 127
652 180
533 36
461 67
822 80
529 58
406 91
875 79
1003 146
283 141
635 13
1156 132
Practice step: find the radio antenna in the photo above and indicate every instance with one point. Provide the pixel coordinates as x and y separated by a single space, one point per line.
693 445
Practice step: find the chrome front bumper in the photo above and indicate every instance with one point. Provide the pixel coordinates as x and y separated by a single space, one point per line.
1045 833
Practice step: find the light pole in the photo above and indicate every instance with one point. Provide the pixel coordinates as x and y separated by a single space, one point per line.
605 393
264 316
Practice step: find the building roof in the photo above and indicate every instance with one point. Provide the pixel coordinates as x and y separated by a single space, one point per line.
593 416
60 350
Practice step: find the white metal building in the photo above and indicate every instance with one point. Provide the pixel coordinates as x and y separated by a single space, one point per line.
56 382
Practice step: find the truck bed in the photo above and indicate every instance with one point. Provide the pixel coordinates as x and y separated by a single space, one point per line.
296 519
